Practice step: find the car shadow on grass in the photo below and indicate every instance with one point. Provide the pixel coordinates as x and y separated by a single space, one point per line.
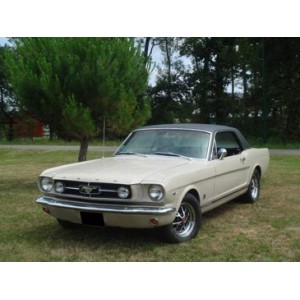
228 208
113 241
98 235
50 242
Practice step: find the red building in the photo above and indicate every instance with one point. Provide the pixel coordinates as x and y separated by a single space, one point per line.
27 127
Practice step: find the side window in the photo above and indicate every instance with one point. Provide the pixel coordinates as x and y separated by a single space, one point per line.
229 141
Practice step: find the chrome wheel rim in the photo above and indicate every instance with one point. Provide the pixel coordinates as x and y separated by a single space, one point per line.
254 187
184 222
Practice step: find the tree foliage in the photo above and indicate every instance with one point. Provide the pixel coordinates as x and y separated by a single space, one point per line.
251 83
170 99
72 84
282 76
7 103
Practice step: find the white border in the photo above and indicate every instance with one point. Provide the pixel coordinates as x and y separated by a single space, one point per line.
149 281
149 18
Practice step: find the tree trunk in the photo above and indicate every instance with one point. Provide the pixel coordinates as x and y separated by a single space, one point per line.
219 89
245 89
84 144
50 133
146 48
205 111
232 84
169 66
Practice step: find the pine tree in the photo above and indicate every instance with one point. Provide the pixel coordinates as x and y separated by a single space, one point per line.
71 84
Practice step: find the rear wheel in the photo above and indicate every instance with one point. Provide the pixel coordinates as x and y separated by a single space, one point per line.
186 223
253 191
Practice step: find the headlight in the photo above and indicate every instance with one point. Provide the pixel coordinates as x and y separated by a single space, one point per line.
123 192
156 192
59 187
46 184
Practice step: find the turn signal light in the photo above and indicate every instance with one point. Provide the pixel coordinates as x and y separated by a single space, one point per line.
154 221
46 210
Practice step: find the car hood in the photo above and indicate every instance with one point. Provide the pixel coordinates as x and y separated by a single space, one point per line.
118 169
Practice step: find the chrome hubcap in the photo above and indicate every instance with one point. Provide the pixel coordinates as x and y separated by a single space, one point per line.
254 188
185 220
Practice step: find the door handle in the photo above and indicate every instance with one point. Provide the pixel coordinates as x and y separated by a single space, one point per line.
243 159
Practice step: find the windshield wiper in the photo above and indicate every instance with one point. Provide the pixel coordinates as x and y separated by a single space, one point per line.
131 153
171 154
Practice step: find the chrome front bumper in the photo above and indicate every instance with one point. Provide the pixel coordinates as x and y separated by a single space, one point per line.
105 208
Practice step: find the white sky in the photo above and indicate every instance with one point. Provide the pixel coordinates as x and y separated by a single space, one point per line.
3 40
155 18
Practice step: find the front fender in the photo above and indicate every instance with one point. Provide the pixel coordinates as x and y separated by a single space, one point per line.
176 196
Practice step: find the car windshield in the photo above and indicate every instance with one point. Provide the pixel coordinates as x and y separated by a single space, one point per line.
187 143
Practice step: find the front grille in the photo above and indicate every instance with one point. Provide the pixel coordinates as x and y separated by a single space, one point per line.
92 189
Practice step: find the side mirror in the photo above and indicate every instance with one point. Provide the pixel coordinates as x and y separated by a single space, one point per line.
222 152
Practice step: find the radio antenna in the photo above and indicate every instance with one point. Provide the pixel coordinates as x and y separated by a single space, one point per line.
103 137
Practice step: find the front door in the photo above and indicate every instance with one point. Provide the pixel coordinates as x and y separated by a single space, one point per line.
231 171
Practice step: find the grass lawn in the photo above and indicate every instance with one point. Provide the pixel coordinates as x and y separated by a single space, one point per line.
266 231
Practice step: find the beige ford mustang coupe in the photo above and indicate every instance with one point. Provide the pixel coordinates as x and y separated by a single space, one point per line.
162 177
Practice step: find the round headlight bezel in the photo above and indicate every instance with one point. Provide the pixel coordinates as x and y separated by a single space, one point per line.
59 187
156 192
123 192
46 184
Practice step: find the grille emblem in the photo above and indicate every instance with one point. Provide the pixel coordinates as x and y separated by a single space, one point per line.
89 190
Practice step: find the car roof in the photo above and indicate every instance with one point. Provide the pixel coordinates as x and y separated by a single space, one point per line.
191 126
212 128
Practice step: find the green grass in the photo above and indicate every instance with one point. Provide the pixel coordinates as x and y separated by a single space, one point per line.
266 231
274 143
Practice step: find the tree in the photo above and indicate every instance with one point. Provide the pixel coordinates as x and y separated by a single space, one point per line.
3 85
251 83
282 79
72 84
169 101
213 69
198 79
6 99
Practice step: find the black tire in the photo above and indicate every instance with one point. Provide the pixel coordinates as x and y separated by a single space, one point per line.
68 225
252 194
186 224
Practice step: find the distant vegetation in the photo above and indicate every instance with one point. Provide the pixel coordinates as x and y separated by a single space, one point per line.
250 83
74 85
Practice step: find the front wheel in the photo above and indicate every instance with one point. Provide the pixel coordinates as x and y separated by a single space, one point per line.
253 191
186 223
